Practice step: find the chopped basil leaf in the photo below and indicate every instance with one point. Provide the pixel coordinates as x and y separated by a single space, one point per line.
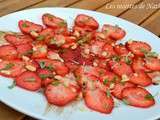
28 52
24 25
8 66
149 97
53 41
148 53
40 37
55 83
62 24
116 58
125 102
49 67
105 81
44 76
42 64
127 60
12 85
108 93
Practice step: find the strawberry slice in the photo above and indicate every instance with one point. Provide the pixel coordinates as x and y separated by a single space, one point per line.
59 94
53 21
29 80
138 97
29 27
72 66
12 68
8 52
113 32
107 51
86 21
152 63
140 78
24 50
53 65
102 63
39 51
138 48
18 39
117 91
139 65
97 100
120 68
96 47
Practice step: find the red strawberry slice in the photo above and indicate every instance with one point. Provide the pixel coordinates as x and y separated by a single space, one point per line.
109 78
8 52
139 65
39 51
107 51
53 21
72 66
60 95
114 32
53 65
29 80
86 21
12 68
24 49
140 78
28 27
96 47
152 63
138 47
18 39
102 63
120 68
97 100
117 91
121 50
138 97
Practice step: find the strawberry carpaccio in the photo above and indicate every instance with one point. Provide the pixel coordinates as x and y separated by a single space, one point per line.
80 62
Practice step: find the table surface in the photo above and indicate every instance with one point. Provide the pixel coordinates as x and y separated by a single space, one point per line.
145 13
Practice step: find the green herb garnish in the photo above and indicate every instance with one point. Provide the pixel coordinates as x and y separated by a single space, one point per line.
148 53
108 93
116 58
12 85
24 25
28 52
53 41
62 24
44 76
42 64
30 79
128 61
40 37
8 66
149 97
105 81
55 83
49 67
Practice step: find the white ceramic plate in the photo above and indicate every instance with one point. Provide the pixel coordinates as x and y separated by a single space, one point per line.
35 105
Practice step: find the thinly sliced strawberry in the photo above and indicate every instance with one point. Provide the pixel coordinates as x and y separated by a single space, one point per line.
29 80
28 27
8 52
84 21
107 51
58 40
39 51
138 48
138 97
120 68
53 21
113 32
12 68
24 49
152 63
140 78
139 65
121 49
58 94
97 100
117 91
102 63
70 42
18 39
53 65
109 78
155 76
